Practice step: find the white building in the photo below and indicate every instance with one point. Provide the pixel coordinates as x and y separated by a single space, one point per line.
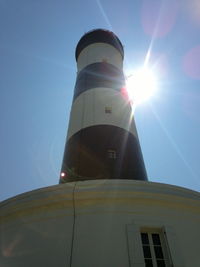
100 223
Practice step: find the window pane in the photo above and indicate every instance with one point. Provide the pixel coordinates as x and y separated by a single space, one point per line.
147 251
161 263
145 239
108 110
112 154
156 239
148 263
158 252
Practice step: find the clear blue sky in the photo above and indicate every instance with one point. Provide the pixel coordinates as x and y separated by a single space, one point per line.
38 72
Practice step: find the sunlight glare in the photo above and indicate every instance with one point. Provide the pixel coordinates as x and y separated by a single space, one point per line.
141 85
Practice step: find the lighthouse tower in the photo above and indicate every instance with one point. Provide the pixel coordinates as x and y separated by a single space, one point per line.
104 213
102 141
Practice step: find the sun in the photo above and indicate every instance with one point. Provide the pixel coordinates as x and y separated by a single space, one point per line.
141 85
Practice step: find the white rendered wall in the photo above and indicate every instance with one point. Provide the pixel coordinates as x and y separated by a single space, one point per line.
97 223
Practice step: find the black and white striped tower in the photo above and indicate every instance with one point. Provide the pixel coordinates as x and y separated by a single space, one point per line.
102 141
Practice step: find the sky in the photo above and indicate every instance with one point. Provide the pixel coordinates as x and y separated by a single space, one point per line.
38 72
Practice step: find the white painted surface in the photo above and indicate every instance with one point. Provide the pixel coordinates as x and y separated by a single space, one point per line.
32 227
89 109
36 228
99 52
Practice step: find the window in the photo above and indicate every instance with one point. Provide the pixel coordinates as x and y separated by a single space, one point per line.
168 243
108 110
112 154
154 249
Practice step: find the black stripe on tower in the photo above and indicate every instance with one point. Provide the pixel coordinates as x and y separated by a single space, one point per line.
99 36
99 75
103 152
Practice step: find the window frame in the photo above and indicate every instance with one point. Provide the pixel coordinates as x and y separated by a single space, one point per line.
111 154
108 110
163 244
135 250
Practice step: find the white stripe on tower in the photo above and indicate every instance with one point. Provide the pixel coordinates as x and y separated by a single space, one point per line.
90 55
102 140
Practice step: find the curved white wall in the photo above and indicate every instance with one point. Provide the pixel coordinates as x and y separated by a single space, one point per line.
97 223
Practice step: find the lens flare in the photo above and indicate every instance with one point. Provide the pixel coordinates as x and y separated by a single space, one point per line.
141 85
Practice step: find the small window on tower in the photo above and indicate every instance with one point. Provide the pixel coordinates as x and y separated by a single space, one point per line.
108 110
112 154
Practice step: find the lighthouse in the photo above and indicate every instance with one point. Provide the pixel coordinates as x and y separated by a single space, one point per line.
104 213
102 141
